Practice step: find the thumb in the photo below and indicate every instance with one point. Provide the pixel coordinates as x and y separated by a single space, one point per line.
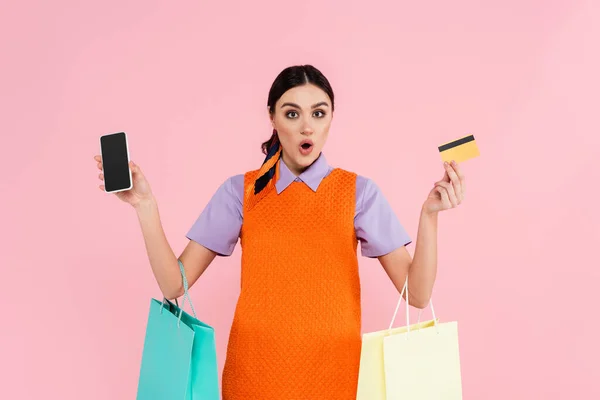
135 169
446 177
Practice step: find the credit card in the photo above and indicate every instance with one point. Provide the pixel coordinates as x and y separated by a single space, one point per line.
459 150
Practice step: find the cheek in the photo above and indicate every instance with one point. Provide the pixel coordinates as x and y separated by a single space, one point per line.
325 123
324 130
282 127
323 140
285 135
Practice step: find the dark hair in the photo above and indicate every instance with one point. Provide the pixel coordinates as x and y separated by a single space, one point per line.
289 78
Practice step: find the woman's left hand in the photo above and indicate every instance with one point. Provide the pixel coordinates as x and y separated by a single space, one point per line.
449 192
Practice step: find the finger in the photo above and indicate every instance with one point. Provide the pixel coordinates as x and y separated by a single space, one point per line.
455 182
101 187
98 158
449 192
100 166
444 179
101 177
444 197
461 178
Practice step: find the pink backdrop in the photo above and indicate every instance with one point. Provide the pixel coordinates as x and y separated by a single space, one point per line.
188 81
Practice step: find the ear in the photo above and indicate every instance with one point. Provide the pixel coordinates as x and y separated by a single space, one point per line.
271 117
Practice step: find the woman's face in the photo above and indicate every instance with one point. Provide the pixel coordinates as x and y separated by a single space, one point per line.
302 117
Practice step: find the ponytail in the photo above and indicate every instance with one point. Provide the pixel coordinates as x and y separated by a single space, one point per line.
268 173
269 143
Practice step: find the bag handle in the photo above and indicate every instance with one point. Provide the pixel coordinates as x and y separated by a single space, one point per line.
405 290
186 295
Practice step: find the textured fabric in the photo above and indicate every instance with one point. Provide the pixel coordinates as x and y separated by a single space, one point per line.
377 227
297 325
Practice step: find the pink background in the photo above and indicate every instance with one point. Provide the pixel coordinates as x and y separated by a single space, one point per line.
188 81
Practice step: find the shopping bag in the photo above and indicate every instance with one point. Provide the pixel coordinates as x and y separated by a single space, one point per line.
179 358
417 362
371 377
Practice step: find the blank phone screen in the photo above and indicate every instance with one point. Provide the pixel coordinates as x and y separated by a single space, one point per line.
115 161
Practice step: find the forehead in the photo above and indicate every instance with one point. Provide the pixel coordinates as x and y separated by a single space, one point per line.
305 95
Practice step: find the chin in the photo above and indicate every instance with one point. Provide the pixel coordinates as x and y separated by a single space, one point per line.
307 160
303 161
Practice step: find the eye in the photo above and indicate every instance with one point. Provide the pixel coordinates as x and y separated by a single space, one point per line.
319 114
291 114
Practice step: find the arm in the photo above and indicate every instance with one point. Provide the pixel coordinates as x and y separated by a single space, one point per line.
163 261
215 232
447 193
422 270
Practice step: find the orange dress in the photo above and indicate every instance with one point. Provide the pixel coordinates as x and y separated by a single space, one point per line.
296 332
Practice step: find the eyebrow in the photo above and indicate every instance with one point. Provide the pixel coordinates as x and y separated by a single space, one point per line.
323 103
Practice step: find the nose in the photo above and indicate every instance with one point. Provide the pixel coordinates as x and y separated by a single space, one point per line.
307 129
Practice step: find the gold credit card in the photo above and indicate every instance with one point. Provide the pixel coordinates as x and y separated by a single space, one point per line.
459 150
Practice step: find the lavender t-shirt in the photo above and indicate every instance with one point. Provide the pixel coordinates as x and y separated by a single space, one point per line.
377 227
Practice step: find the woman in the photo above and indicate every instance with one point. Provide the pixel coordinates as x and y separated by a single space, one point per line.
296 332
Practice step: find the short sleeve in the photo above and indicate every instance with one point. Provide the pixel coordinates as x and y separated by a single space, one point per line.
218 226
377 226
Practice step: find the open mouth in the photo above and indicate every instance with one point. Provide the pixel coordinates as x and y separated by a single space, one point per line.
306 144
306 147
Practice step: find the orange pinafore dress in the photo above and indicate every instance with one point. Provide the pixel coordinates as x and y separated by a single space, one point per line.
296 332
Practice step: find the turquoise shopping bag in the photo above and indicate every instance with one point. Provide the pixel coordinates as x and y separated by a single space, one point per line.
179 360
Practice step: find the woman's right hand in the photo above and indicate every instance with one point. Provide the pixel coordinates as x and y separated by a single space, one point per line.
140 191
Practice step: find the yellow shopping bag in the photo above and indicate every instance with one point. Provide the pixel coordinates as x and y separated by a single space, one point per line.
416 362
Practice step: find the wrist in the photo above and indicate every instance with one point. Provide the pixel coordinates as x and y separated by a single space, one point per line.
427 213
145 204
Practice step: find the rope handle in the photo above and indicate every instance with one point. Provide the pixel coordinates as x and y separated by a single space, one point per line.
186 295
405 290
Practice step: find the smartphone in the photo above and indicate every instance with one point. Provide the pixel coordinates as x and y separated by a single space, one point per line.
115 162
